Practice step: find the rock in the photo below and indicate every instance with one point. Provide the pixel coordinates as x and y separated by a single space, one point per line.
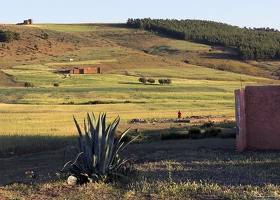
72 180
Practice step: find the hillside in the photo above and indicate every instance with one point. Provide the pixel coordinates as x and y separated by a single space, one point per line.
134 48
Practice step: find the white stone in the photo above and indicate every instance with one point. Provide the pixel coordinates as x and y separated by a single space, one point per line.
72 180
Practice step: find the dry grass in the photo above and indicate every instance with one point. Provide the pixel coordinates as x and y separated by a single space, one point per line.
182 169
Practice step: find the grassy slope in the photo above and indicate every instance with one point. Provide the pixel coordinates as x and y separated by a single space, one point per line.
195 90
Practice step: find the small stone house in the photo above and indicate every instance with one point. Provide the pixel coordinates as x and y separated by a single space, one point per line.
85 70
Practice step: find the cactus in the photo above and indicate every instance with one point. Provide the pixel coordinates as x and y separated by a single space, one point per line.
97 157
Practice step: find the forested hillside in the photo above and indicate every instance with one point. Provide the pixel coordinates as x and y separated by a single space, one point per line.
252 44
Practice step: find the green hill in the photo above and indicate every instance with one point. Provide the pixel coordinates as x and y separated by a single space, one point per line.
203 76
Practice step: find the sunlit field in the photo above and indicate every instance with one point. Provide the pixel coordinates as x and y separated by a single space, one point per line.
45 111
191 91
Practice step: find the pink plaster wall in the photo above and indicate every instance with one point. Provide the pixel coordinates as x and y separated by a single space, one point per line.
262 117
258 117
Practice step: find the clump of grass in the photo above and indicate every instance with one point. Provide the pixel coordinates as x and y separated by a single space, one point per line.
195 130
226 135
212 132
173 136
195 133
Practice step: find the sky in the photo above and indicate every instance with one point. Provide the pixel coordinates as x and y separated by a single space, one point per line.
249 13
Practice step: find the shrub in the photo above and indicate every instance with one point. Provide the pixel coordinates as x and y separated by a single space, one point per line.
36 47
164 81
173 136
9 36
151 80
195 133
207 125
226 135
27 84
56 84
161 81
194 130
97 157
45 36
212 132
168 81
142 80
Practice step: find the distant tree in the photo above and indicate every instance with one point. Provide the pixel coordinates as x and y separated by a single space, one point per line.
142 80
251 44
28 84
164 81
161 81
168 81
151 80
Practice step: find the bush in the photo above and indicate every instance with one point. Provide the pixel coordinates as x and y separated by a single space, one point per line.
207 125
9 36
142 80
45 36
36 47
194 130
168 81
226 135
212 132
164 81
27 84
173 136
151 80
195 133
56 84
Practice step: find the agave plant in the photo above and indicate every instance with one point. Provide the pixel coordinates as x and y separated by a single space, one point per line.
97 157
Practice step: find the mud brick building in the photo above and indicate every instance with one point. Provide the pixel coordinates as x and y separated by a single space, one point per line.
85 70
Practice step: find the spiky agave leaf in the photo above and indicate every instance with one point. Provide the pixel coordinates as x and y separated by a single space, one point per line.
98 149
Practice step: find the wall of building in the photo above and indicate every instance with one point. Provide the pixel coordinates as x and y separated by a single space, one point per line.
86 70
258 117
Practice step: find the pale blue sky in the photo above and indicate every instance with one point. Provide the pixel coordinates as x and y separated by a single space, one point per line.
249 13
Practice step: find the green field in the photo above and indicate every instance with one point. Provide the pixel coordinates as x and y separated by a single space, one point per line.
44 110
194 91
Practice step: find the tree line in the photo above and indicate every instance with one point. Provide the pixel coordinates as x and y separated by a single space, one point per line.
252 44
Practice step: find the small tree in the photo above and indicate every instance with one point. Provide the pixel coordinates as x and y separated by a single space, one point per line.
164 81
142 80
151 80
28 84
168 81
